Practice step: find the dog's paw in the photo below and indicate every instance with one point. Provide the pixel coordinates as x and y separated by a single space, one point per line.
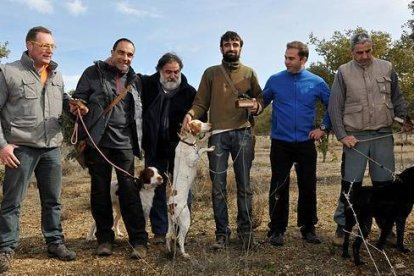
345 255
211 148
186 255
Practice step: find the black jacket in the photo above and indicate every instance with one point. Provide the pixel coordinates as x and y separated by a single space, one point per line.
163 114
96 87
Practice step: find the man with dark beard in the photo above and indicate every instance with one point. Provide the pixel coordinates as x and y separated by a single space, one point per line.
166 99
221 87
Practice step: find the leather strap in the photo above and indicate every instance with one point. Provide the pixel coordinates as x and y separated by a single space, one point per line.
229 81
118 98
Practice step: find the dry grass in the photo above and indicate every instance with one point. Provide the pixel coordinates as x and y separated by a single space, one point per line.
296 257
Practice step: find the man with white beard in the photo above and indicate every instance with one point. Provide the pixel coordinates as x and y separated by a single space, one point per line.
166 98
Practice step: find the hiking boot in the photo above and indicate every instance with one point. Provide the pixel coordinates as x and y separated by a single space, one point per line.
248 241
158 239
308 234
139 252
61 252
221 243
311 237
5 260
338 240
277 239
104 249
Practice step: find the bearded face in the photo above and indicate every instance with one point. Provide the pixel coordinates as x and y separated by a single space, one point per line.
170 76
231 56
170 84
231 50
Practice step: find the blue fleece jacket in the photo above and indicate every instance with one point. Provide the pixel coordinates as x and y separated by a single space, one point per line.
294 99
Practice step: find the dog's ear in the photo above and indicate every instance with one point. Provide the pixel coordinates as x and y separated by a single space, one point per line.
138 183
195 127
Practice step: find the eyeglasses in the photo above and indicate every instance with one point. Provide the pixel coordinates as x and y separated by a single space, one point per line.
45 46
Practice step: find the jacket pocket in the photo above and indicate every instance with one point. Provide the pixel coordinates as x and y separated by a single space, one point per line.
384 85
57 90
23 129
384 115
29 89
354 117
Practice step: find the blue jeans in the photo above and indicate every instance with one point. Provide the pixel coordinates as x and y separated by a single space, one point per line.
238 144
158 214
46 164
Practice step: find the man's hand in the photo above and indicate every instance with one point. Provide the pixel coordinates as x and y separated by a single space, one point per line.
75 105
255 108
407 125
316 134
7 156
349 141
186 121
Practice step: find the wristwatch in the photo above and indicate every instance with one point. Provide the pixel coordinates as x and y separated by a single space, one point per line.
323 128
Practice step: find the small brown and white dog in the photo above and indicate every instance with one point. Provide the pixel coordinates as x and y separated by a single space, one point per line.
187 153
149 179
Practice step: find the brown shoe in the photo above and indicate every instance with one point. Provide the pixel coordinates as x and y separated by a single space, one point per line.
5 260
139 252
248 241
61 252
221 243
158 239
104 249
277 239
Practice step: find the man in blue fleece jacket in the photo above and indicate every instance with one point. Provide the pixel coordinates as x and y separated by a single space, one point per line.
294 93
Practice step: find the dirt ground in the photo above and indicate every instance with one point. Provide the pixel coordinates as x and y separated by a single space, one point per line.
296 257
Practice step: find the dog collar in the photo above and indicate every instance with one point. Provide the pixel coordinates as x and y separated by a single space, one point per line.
188 143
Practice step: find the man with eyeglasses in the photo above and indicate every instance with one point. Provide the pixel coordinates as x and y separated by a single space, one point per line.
31 101
365 99
117 134
166 98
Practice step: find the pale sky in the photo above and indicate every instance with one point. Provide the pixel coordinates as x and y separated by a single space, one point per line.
85 30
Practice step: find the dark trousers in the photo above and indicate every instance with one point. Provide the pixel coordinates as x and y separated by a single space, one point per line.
165 165
158 214
282 157
130 202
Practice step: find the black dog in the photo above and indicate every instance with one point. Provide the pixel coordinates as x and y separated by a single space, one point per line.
388 204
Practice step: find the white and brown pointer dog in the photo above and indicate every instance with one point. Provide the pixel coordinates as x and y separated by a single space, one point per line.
149 179
187 154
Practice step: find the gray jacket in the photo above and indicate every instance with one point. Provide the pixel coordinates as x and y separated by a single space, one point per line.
30 112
